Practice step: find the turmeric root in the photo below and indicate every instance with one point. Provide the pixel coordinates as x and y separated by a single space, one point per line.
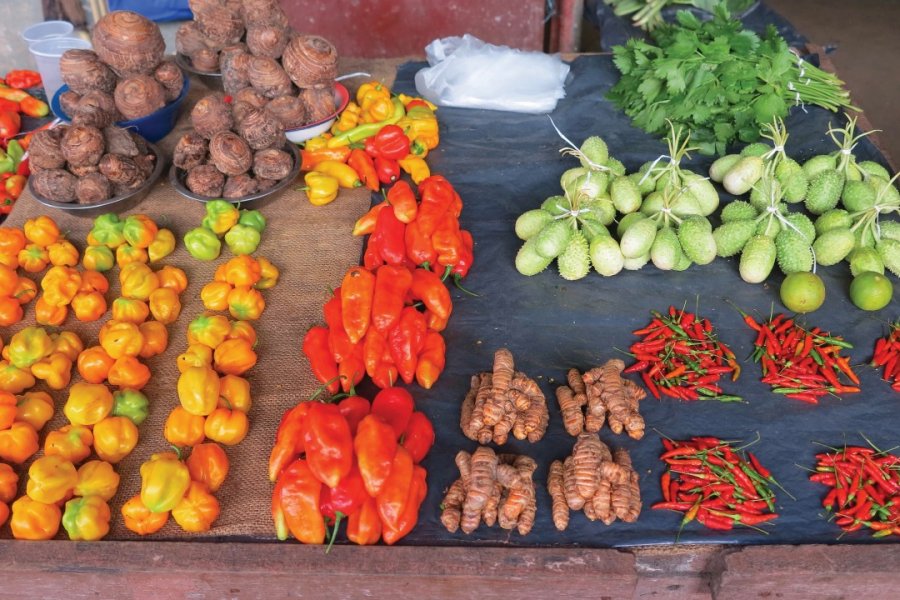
451 506
626 496
573 418
557 495
601 395
480 488
503 374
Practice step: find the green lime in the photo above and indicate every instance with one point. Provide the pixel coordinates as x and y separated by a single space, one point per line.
802 292
871 290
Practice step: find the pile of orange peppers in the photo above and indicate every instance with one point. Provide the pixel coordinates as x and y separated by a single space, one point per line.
372 142
350 460
236 287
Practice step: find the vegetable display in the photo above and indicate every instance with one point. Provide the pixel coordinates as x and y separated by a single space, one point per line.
601 395
716 79
716 485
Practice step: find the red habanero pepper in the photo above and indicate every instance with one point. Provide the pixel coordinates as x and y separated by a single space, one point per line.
386 374
395 405
288 439
372 254
354 409
418 489
435 323
392 245
375 444
340 345
394 494
418 437
365 168
431 360
406 340
321 360
456 203
374 349
466 255
328 443
345 498
364 526
352 369
390 142
366 223
419 248
402 198
436 196
391 285
428 287
295 504
388 170
447 241
357 290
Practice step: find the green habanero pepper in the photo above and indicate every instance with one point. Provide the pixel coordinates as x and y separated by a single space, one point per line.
132 404
202 243
242 239
220 216
254 219
108 230
15 151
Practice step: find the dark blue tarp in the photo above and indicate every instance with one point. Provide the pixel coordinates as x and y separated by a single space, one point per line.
155 10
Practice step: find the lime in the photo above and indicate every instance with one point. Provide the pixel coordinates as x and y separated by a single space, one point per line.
871 290
802 292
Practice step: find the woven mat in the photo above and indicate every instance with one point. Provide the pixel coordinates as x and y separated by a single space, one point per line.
312 246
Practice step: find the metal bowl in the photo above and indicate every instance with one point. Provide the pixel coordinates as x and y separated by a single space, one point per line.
116 204
212 79
176 178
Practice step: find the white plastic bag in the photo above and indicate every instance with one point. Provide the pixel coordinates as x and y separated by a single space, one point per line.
469 73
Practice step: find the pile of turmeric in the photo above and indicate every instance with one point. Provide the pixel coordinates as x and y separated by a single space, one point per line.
491 489
602 484
598 396
501 401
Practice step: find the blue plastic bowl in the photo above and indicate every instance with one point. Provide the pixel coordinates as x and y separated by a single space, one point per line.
152 128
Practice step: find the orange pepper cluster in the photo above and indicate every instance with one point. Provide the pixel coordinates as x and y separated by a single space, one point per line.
236 287
350 459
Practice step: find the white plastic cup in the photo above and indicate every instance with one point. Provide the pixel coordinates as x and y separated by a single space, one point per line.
47 29
46 54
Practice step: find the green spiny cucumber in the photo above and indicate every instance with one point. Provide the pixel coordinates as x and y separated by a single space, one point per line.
574 262
731 237
833 246
606 256
757 259
530 223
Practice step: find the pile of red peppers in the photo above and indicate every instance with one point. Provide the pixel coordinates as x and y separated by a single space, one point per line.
887 355
350 460
865 489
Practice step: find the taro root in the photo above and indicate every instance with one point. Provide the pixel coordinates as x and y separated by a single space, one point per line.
44 151
93 188
211 115
319 102
190 151
54 184
82 170
122 172
272 164
230 153
266 40
261 129
267 76
310 61
234 64
189 39
171 78
240 110
128 42
251 96
263 184
146 163
96 109
263 12
290 110
206 59
67 102
120 141
239 186
221 25
82 145
205 180
83 71
139 96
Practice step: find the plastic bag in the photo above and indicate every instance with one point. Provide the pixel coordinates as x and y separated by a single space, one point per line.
469 73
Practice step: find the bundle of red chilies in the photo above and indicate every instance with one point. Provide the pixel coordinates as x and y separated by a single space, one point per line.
709 481
680 356
865 489
887 355
386 317
801 364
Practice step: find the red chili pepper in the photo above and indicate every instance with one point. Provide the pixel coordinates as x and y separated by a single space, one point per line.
431 360
418 489
396 406
428 287
406 341
366 223
328 443
375 443
289 443
418 438
466 255
354 409
340 345
321 360
352 369
391 231
391 286
436 195
419 248
403 200
364 166
388 170
345 498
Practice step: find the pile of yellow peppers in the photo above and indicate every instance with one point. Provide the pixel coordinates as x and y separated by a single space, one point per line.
236 287
33 353
137 238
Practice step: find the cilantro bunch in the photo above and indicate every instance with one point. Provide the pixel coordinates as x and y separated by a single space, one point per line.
717 79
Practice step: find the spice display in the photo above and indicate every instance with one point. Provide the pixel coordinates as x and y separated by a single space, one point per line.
493 489
711 482
598 396
601 483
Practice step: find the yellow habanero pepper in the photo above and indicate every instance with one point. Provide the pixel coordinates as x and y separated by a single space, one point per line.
416 167
98 258
54 370
35 408
156 338
209 330
196 355
208 464
162 246
320 188
246 303
164 482
128 372
63 254
120 338
115 438
371 90
97 478
130 310
268 274
86 518
226 426
234 392
243 330
198 390
51 479
242 270
47 314
139 230
183 429
94 281
88 403
18 443
60 284
172 278
68 343
9 482
29 345
88 306
138 281
421 126
32 520
165 305
234 357
139 519
33 258
69 442
13 379
215 295
94 364
26 290
346 175
197 510
126 255
8 403
348 119
41 230
376 110
320 142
